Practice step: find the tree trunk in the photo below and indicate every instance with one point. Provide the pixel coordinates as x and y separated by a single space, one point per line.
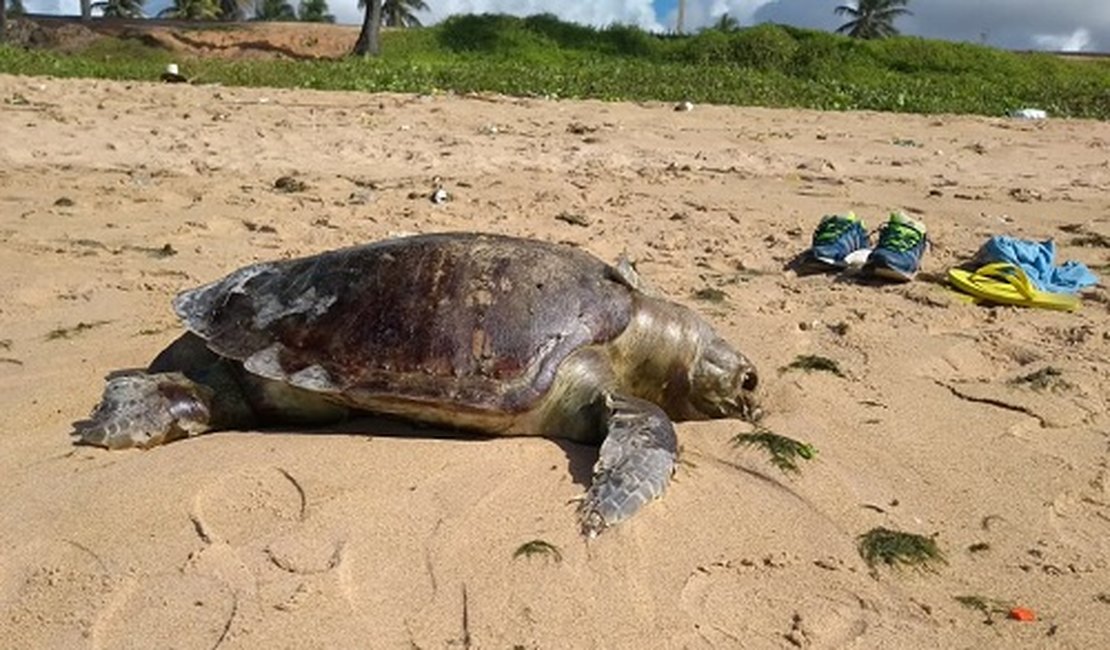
86 9
234 10
3 20
369 38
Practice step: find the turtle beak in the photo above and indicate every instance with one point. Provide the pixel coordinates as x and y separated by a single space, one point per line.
724 383
750 410
744 406
744 403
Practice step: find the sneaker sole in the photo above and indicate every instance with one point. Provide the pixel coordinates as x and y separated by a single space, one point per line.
813 264
828 261
887 273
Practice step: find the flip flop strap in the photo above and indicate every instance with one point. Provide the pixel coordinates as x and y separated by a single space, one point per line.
1010 273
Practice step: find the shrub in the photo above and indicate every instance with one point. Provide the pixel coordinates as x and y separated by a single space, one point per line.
488 34
709 46
765 47
912 55
628 40
821 53
566 35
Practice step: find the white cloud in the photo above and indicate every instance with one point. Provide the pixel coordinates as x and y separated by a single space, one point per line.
702 13
52 6
347 12
1018 24
1076 41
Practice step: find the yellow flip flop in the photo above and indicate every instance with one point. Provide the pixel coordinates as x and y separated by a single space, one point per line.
1008 284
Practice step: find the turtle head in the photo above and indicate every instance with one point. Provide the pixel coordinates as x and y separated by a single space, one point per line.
723 382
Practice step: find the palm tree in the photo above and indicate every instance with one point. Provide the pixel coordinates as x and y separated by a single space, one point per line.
192 10
399 13
726 23
274 11
12 8
370 36
120 8
315 11
234 10
872 18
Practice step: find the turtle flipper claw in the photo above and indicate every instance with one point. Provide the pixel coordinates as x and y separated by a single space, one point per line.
634 466
145 411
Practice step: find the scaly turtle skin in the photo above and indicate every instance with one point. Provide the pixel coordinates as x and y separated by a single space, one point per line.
488 333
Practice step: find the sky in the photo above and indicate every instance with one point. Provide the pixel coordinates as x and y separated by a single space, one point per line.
1073 25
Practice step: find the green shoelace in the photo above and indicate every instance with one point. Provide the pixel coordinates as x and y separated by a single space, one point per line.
831 229
900 237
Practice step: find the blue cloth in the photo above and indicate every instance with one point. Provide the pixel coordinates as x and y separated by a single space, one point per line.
1037 259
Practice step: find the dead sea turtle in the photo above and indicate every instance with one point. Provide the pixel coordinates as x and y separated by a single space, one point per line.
482 332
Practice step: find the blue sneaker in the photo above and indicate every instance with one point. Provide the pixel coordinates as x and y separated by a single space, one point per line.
837 237
898 254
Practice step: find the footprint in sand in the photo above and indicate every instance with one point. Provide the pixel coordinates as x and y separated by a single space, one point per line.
167 611
1080 519
260 565
261 545
264 511
262 514
825 615
250 507
50 591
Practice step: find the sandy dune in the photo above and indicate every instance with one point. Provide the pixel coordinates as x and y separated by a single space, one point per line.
114 196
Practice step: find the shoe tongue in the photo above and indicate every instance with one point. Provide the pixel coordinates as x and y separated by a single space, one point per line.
901 218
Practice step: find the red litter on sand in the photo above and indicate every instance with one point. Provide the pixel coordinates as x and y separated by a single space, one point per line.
1022 614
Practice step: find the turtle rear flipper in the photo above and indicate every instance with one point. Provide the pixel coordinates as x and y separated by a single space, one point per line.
147 410
634 466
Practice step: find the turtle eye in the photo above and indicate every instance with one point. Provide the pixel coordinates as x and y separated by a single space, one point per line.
749 380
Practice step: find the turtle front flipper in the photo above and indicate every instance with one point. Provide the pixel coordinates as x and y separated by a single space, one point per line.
635 464
147 410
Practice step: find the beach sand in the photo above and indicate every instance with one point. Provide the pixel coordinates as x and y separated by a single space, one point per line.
114 196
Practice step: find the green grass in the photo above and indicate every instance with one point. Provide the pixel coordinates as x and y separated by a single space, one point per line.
766 65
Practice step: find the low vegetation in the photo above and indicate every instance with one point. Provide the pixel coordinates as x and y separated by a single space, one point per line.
1043 379
70 332
767 65
896 548
538 547
988 607
782 451
814 363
